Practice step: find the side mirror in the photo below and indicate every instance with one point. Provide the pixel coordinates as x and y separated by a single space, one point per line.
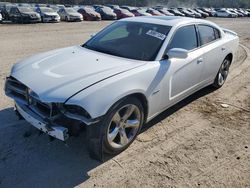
177 53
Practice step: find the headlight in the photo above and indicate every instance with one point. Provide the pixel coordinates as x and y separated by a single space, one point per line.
25 15
74 111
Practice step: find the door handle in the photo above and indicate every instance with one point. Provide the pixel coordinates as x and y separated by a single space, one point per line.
223 48
200 60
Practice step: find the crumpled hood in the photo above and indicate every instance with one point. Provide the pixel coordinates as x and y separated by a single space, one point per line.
57 75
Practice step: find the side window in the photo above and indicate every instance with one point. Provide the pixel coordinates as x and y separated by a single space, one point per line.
207 34
185 37
217 33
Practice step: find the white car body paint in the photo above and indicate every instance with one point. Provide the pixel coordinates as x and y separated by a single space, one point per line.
96 81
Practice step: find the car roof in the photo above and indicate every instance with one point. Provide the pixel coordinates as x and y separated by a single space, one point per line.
167 20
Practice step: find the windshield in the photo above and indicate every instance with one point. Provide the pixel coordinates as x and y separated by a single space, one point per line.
24 9
47 10
124 11
133 40
142 11
107 9
89 10
70 10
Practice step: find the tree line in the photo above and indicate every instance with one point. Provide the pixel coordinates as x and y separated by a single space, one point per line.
168 3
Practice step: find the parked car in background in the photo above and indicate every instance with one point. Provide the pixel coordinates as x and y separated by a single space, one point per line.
69 14
154 12
121 78
122 13
1 17
89 14
48 14
164 11
106 13
24 5
40 5
112 6
23 15
203 14
60 6
54 7
140 12
176 12
129 8
197 15
5 10
239 14
186 12
210 11
225 13
244 12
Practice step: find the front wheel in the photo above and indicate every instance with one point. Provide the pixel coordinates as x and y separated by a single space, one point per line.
119 127
222 74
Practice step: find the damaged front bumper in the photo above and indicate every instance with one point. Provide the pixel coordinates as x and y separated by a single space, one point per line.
55 131
55 119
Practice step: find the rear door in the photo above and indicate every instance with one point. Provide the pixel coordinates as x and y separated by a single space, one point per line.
214 51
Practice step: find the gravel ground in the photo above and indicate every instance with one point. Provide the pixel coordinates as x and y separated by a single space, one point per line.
196 143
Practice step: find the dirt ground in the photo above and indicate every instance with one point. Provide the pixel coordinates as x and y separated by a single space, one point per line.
196 143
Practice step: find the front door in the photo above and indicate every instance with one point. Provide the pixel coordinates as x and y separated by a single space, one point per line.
184 75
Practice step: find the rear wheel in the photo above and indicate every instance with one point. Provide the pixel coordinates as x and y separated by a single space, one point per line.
222 74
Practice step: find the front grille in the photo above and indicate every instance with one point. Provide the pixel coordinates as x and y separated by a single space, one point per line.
22 94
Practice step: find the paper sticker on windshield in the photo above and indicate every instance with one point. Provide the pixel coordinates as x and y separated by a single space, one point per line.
156 34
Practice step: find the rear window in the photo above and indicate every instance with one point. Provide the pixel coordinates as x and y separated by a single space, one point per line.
207 34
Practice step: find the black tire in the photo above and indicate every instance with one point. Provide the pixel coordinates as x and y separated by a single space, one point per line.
98 134
223 72
66 19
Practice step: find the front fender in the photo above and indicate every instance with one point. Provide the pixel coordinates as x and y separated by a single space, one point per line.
98 99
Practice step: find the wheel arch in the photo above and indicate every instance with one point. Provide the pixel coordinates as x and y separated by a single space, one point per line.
230 57
139 96
143 99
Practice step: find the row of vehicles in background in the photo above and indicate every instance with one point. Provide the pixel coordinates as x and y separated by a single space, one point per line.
27 13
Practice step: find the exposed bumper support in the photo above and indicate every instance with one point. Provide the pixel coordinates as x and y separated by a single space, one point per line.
55 131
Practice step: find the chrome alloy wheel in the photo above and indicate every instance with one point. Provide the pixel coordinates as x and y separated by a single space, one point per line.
123 126
223 73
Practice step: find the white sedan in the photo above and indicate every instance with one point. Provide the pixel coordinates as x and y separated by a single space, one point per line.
70 14
121 78
225 13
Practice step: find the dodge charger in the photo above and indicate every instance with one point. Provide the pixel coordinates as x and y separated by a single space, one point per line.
121 78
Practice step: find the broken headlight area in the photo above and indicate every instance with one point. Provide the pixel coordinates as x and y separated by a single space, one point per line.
75 112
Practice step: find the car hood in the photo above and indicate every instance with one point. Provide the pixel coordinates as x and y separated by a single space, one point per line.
57 75
51 13
30 13
75 14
